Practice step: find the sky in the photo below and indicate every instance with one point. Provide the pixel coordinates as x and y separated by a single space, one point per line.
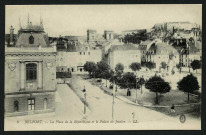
76 19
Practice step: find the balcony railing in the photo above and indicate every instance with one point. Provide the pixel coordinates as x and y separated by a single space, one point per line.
29 49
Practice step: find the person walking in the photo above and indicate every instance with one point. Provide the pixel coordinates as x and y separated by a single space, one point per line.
172 108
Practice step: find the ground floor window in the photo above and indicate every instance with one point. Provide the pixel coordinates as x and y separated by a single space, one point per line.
16 106
31 104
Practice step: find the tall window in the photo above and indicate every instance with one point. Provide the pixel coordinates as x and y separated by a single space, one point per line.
31 40
31 104
16 106
31 71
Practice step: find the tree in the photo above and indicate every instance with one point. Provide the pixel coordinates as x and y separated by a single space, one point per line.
107 75
103 70
135 38
141 82
135 66
188 84
150 65
128 80
163 65
113 77
102 67
158 85
196 64
90 67
119 68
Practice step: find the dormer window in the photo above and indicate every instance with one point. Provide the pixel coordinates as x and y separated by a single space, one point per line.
31 40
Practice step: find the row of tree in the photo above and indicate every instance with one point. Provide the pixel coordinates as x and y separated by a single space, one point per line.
135 38
129 80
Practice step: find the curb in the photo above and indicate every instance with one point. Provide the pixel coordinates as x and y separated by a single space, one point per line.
137 104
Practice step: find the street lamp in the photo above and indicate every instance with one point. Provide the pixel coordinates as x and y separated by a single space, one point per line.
141 82
137 80
84 91
133 114
113 102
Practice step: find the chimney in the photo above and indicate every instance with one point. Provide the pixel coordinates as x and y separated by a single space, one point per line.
11 35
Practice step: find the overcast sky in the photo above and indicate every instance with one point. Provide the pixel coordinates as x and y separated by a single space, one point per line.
76 19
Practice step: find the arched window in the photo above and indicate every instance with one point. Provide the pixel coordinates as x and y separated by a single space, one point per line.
16 106
31 71
45 103
31 40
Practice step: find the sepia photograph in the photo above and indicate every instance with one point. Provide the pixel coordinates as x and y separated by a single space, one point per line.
103 67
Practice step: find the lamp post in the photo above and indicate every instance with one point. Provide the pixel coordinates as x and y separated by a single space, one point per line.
189 56
141 81
133 114
137 79
113 102
85 95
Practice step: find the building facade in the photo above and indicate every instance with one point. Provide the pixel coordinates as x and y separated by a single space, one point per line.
124 54
30 73
160 52
108 35
75 60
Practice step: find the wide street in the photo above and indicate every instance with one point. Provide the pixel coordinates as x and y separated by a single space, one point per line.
100 104
70 107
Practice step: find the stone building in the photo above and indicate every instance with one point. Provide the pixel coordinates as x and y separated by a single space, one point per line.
73 59
160 52
108 35
124 54
30 73
91 35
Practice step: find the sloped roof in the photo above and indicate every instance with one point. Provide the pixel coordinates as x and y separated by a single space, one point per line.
39 39
123 47
162 49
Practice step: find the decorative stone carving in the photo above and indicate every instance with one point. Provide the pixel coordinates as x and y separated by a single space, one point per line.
12 65
49 64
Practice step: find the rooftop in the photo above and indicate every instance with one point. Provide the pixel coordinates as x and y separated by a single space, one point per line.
162 49
124 47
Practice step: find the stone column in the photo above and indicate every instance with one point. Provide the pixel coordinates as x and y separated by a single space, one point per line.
40 75
22 74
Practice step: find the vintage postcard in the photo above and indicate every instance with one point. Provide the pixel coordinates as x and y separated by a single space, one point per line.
103 67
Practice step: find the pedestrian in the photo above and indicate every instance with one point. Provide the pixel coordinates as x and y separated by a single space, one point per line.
172 108
128 92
